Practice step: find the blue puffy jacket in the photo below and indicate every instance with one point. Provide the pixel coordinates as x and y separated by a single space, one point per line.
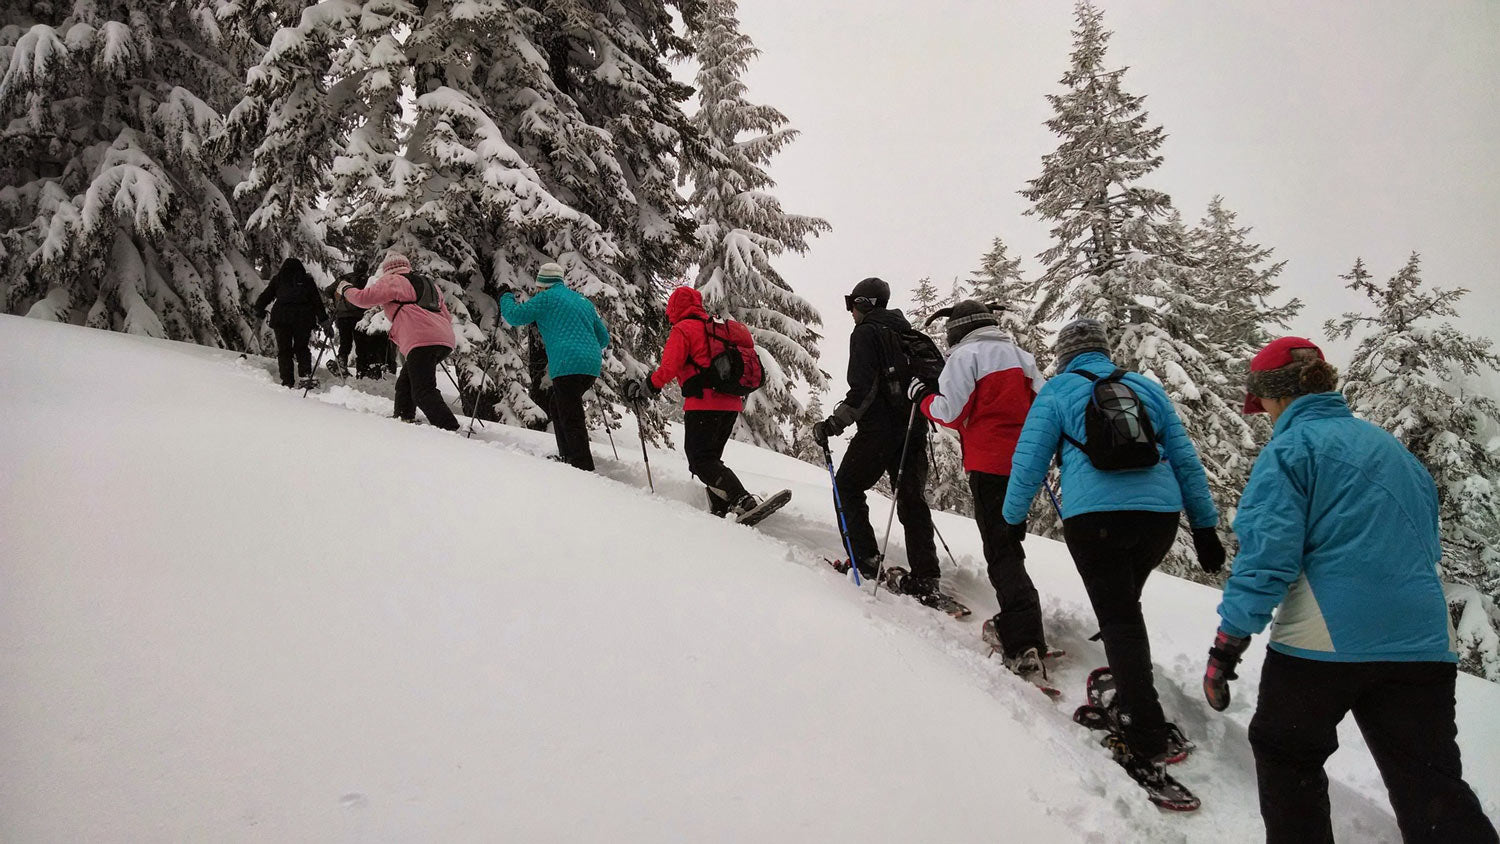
1339 526
1059 409
571 329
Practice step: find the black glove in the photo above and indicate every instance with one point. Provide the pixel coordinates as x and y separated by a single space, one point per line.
919 389
638 392
830 427
1017 532
1222 658
1209 549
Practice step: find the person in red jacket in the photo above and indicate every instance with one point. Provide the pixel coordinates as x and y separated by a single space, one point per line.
708 416
984 393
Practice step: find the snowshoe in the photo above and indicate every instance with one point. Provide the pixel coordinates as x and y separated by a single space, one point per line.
308 382
899 581
1027 665
1102 712
338 370
751 511
1161 788
991 636
843 566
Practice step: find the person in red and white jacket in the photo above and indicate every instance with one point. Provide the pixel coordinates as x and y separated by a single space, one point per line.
984 393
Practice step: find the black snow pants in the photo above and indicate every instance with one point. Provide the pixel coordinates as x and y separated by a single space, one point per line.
1115 552
569 424
705 433
293 343
1020 620
371 351
1405 712
345 325
874 452
416 387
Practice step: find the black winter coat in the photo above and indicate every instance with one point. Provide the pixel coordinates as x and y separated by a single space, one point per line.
874 399
298 303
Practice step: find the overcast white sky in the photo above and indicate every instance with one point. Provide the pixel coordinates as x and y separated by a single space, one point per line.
1335 129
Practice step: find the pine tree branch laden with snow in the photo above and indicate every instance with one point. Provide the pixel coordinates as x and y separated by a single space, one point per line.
115 202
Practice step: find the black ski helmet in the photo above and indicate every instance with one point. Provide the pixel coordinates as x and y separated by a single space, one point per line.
868 295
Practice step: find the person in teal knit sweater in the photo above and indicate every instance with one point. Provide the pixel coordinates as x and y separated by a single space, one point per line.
575 339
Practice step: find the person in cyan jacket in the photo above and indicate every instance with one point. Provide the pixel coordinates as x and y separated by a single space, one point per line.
708 416
985 391
1338 527
575 339
297 310
421 327
1119 525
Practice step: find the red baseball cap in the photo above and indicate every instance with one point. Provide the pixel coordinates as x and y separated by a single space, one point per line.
1275 355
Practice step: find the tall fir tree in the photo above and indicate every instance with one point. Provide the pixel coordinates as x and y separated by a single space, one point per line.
483 139
924 300
115 205
1408 376
1121 256
742 228
1237 282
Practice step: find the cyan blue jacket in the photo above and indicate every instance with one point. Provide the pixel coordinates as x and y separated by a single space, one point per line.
1059 409
572 331
1339 526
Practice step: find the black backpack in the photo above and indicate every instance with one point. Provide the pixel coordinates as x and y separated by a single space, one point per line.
735 370
1118 433
426 292
912 354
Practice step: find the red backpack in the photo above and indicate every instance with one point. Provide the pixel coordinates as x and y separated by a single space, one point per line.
733 370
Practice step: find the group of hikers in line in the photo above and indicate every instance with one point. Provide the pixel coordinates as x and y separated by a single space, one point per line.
1337 528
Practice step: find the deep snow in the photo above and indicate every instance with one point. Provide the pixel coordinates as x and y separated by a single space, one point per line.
232 614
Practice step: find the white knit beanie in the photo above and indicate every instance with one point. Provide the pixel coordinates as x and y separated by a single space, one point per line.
550 272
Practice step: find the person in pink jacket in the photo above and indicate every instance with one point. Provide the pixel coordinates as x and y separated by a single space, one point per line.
421 327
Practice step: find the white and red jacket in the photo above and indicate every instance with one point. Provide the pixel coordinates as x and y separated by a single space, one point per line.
985 392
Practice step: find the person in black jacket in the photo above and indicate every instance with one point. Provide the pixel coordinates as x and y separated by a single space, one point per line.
878 405
346 316
297 310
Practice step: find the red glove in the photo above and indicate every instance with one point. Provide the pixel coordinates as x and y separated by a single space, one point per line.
1222 658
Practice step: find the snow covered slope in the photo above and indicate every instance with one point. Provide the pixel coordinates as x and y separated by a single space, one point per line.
228 613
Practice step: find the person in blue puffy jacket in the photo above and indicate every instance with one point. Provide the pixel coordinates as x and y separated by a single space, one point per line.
1338 527
1119 525
575 339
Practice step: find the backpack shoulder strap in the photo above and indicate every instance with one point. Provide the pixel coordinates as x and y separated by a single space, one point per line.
1091 376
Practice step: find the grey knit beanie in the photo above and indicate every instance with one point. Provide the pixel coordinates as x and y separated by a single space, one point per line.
1079 336
965 317
550 273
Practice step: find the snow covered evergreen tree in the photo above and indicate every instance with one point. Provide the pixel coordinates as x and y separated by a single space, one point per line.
115 208
998 281
924 300
1121 256
484 138
742 228
1407 376
1236 281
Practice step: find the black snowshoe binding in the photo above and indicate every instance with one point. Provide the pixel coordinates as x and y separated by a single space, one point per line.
1029 664
751 510
307 382
925 589
1102 712
337 369
1161 787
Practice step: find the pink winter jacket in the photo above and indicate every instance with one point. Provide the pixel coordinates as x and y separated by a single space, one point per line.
415 326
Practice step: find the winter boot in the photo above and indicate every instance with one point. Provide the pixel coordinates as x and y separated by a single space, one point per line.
716 505
903 582
1178 746
1027 663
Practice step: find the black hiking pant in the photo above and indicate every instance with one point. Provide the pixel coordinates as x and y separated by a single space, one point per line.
874 452
345 326
371 351
1020 620
293 343
1405 712
569 424
416 387
705 433
1115 552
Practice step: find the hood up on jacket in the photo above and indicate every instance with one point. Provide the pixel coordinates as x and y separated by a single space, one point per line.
685 302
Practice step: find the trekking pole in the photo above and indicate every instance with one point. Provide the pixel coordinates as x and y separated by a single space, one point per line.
838 508
474 417
1057 507
454 381
640 425
314 373
607 431
932 461
895 494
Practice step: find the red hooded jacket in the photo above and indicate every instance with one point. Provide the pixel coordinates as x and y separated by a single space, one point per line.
687 351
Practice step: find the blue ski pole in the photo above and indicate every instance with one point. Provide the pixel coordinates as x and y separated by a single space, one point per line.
838 507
